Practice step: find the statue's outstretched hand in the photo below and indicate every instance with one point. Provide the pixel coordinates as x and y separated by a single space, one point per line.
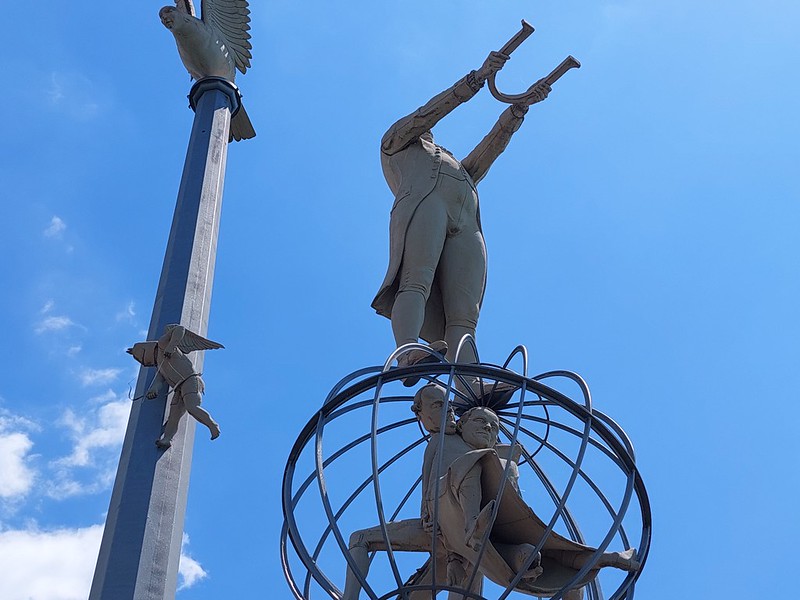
537 92
493 63
151 394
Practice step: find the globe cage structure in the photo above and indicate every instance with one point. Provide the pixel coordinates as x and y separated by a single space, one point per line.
356 466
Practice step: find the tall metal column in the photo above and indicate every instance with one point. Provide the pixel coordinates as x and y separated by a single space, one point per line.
141 544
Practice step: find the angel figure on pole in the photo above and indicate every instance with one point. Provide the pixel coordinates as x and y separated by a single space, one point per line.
176 371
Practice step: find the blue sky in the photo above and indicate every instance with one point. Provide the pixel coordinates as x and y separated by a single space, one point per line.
640 230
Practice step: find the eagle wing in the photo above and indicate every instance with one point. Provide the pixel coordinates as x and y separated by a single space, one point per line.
186 6
232 20
193 341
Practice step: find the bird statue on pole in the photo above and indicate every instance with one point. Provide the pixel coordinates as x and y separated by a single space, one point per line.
214 46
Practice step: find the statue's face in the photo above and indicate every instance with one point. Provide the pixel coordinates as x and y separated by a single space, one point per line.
481 429
430 411
167 15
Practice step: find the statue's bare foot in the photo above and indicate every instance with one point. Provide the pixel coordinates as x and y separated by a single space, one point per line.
621 560
627 560
163 444
477 529
417 357
214 431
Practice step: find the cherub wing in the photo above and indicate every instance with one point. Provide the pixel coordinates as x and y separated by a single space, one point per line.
232 20
186 6
192 341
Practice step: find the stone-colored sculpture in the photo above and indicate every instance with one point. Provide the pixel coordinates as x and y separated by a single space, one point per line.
175 371
471 470
435 281
214 46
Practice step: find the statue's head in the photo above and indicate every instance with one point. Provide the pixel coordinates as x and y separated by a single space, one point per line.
144 353
428 403
174 18
479 427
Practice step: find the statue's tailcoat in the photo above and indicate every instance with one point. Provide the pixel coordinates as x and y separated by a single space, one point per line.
411 168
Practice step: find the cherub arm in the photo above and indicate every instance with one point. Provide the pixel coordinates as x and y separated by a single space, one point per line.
175 338
158 385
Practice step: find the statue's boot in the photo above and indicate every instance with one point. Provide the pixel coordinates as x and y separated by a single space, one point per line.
494 395
418 357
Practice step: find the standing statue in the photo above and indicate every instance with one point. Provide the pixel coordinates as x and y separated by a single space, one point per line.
435 282
176 371
215 46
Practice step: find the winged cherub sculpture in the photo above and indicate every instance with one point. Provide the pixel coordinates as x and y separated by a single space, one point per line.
175 370
214 46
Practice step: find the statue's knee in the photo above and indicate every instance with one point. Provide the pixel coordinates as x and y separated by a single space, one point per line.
464 319
358 540
419 279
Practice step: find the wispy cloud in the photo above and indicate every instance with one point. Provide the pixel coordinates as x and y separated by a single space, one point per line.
53 323
48 565
55 228
97 430
73 350
95 377
74 95
96 435
47 307
189 569
128 313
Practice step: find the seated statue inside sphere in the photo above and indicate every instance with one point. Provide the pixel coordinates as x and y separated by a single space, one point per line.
462 468
414 535
466 487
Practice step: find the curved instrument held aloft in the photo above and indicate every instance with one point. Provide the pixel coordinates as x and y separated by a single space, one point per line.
515 42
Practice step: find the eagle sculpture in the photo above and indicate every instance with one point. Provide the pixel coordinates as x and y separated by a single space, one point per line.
214 46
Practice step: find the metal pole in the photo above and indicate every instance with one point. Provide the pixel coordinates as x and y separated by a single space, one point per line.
141 545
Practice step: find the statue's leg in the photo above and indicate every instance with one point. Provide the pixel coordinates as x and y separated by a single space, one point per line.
192 401
176 411
406 536
577 559
521 557
423 246
459 571
462 276
477 521
192 390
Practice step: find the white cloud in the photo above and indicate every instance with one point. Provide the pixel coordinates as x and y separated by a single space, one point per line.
73 350
17 476
98 376
102 429
59 564
56 228
48 565
53 324
48 306
189 569
97 435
